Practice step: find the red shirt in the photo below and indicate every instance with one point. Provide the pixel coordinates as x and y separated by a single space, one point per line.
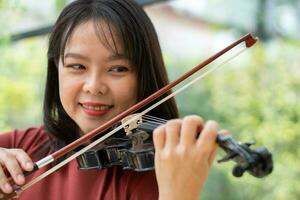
70 183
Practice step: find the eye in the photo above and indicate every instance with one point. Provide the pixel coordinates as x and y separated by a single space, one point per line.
76 66
119 69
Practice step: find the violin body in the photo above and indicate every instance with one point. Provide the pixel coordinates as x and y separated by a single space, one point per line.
133 149
133 152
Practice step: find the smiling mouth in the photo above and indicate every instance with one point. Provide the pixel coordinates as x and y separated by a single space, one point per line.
96 110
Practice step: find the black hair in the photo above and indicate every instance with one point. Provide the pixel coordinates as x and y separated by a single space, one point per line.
133 29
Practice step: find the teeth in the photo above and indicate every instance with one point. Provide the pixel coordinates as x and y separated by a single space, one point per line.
98 108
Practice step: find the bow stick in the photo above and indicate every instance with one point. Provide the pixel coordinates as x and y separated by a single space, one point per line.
249 41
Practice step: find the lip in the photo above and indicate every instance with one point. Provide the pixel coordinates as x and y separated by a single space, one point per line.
95 113
94 104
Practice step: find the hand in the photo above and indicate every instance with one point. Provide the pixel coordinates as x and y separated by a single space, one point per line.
15 161
182 158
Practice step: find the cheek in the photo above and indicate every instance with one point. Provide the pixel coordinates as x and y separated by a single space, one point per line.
63 93
62 86
127 92
67 92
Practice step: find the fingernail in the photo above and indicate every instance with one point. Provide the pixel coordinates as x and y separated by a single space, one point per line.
7 187
29 165
20 177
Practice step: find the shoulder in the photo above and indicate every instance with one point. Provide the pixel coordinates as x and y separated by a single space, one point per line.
30 139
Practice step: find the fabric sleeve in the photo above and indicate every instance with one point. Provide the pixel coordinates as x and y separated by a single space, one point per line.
5 139
31 140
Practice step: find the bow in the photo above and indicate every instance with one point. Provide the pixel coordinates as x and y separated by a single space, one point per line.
249 41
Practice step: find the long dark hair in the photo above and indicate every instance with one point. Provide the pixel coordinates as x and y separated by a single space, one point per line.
134 29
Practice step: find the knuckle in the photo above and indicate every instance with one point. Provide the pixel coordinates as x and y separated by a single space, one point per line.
18 151
156 138
204 153
14 169
183 151
167 154
193 119
6 156
168 151
204 150
21 155
174 122
3 179
12 166
158 130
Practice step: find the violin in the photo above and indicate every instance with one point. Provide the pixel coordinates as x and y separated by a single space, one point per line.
133 149
129 143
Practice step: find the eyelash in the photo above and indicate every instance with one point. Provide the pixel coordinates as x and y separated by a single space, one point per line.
76 66
117 69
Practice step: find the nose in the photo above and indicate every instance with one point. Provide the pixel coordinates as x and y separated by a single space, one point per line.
95 85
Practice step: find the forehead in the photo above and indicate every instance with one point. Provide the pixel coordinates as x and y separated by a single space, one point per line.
92 34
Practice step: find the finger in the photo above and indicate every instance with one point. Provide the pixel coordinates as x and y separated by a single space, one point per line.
23 159
223 132
207 139
13 167
212 156
191 126
4 184
159 138
172 133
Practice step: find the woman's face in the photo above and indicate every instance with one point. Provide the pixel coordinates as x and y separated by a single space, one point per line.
95 84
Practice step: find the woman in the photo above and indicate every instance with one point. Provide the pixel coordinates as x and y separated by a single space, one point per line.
103 57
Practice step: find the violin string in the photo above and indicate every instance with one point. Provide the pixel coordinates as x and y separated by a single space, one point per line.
203 73
154 117
151 120
148 117
151 126
154 123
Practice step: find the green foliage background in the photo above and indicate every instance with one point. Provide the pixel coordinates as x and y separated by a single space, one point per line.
22 69
254 97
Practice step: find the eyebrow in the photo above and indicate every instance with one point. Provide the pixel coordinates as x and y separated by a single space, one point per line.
112 57
117 57
76 55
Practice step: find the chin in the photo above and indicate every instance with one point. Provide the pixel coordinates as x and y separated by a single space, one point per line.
89 129
89 125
